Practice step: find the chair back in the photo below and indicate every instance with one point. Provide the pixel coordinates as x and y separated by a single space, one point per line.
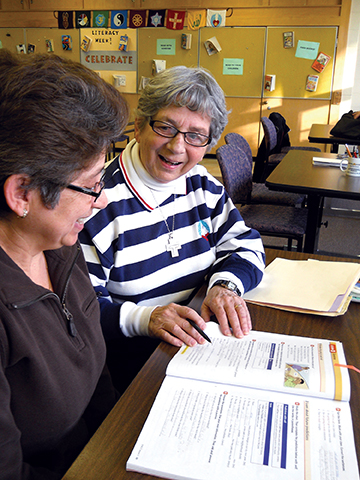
236 172
239 141
270 134
282 131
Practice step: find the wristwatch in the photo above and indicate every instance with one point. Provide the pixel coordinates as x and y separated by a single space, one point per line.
228 285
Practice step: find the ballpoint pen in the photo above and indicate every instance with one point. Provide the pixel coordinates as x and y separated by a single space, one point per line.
198 329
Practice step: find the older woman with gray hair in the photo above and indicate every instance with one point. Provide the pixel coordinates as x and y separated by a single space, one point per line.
169 225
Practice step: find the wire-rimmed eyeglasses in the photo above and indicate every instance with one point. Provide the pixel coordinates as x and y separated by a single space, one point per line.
167 130
95 191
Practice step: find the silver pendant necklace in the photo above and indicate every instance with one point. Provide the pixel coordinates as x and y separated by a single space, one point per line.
172 246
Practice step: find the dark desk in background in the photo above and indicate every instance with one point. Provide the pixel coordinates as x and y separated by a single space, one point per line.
320 133
105 456
296 173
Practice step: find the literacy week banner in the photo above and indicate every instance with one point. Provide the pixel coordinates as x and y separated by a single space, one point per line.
107 55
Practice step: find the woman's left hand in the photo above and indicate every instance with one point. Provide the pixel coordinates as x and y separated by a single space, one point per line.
230 311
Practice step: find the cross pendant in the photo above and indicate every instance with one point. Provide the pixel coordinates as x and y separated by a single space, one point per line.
173 248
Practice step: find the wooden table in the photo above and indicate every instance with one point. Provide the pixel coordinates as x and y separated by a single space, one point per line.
296 173
320 133
105 456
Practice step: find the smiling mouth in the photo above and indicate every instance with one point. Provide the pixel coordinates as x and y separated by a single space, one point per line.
168 162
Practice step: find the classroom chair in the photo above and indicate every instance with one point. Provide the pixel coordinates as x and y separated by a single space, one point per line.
270 153
269 220
260 192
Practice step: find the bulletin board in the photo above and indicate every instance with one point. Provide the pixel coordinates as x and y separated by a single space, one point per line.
290 71
39 37
245 45
10 37
150 48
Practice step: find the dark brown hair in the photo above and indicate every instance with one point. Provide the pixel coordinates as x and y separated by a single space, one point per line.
56 118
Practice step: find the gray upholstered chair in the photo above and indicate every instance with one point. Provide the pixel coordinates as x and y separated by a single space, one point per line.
268 220
266 160
260 192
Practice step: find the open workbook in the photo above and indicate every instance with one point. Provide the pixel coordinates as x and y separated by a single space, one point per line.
267 406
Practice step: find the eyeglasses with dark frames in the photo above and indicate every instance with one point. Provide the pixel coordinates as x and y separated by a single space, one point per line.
95 191
167 130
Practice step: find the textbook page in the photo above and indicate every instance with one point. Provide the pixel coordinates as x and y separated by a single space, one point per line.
270 361
205 431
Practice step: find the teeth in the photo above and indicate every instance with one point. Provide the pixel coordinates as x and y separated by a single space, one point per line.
172 163
169 162
81 220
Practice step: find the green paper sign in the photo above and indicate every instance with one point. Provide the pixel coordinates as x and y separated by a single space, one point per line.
307 50
165 46
233 66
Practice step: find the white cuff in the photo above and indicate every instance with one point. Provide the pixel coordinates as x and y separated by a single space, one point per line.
134 320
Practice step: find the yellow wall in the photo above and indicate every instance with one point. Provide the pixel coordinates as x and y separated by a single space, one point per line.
17 17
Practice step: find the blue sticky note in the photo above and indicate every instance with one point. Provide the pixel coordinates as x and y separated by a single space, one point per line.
233 66
307 50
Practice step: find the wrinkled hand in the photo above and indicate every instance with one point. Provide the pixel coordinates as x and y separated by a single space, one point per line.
230 311
356 114
169 323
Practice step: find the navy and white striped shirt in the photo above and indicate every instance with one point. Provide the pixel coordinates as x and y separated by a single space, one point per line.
125 243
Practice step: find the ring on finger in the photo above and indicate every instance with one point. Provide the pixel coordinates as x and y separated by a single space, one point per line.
238 305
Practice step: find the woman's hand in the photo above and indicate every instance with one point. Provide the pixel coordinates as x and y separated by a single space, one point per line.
230 311
169 323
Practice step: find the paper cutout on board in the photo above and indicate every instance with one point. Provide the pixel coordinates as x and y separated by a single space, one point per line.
21 48
66 42
312 83
158 66
123 43
269 84
143 82
321 61
119 80
186 40
49 44
85 43
307 50
288 39
212 46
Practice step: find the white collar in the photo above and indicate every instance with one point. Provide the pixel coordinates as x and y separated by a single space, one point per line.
142 184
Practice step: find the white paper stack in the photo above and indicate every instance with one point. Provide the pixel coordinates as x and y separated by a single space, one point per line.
328 161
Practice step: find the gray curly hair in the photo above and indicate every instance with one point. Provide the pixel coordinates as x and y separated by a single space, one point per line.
194 88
